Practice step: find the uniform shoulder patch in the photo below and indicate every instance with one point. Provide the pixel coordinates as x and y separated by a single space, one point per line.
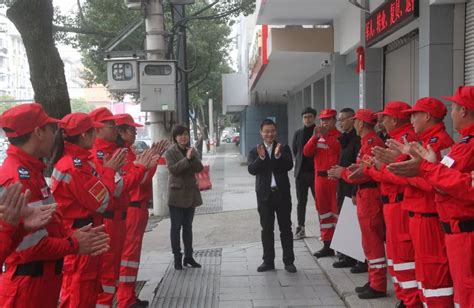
370 141
77 162
433 140
466 139
23 173
100 154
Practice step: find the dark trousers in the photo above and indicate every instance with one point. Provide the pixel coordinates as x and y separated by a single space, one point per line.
282 208
304 181
181 217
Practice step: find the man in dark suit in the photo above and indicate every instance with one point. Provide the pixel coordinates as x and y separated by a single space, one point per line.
270 163
304 168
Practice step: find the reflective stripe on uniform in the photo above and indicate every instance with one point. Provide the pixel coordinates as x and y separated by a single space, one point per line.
101 306
373 261
145 176
108 289
377 265
61 176
328 226
105 202
118 185
408 284
322 146
127 263
32 239
395 280
437 292
327 215
404 266
35 204
456 305
389 262
127 278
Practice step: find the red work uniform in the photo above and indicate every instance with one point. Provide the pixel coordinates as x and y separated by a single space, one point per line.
82 196
137 219
325 149
431 262
114 221
370 215
399 250
10 238
457 216
34 269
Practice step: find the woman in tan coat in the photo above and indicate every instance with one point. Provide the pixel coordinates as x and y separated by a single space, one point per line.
183 194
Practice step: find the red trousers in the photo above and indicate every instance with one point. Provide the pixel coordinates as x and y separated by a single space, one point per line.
80 282
432 270
326 205
370 215
460 249
17 291
400 254
110 262
137 218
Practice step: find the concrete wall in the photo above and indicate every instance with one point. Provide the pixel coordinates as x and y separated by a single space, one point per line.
346 30
344 84
251 119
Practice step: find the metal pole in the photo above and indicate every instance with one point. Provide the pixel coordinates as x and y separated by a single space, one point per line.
211 126
155 44
183 95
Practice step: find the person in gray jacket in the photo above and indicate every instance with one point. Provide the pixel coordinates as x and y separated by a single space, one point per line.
183 194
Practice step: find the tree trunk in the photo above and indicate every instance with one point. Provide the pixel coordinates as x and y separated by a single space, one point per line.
34 21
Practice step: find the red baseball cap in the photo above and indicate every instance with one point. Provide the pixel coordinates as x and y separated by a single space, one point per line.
102 114
77 123
23 119
365 115
430 105
464 96
126 119
327 113
395 109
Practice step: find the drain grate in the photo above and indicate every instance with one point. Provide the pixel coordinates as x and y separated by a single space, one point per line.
191 287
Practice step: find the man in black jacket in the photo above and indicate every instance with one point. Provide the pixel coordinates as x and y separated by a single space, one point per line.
270 163
304 168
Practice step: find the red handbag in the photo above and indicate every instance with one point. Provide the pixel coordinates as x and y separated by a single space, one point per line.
203 178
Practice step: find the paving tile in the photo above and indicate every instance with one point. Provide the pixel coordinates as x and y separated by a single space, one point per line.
299 292
267 280
236 304
235 296
267 292
333 300
236 290
234 281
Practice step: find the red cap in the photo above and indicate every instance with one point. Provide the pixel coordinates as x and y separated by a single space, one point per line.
327 113
365 115
395 109
430 105
464 96
77 123
23 119
126 119
102 114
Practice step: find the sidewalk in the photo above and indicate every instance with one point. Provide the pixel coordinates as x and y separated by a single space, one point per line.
227 244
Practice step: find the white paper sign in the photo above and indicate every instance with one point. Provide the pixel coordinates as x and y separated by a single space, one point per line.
347 236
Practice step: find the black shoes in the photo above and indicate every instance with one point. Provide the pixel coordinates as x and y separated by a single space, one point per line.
290 268
140 304
191 262
400 304
178 264
363 288
265 267
344 262
359 268
370 293
326 251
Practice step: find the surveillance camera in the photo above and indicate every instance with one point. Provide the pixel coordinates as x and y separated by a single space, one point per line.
326 63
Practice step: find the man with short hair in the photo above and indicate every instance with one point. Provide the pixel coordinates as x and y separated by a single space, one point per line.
270 162
304 168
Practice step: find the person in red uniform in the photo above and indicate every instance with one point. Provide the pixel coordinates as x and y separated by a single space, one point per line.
82 196
125 180
399 248
34 270
369 208
456 212
325 149
137 216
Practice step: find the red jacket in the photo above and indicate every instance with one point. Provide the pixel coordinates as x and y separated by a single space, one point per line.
325 149
391 185
451 205
420 194
142 192
50 243
80 190
128 178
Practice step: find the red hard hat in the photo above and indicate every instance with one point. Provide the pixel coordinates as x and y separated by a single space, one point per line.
78 123
464 96
327 113
396 109
365 115
126 119
430 105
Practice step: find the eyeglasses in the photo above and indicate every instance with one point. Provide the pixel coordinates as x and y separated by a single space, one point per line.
344 119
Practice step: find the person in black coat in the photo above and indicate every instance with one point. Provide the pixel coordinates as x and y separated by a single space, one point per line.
304 168
270 163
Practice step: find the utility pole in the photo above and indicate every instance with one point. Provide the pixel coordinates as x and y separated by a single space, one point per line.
155 45
183 95
211 127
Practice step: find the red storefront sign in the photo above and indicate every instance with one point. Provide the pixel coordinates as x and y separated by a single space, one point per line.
389 17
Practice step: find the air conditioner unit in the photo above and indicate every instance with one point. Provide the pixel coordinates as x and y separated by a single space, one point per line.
133 4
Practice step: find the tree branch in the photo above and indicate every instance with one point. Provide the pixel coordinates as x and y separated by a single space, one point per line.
197 83
57 28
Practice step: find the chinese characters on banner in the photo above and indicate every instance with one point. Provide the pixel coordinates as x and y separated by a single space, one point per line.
389 17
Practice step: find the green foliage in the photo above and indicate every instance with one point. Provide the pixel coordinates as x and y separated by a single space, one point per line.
80 105
6 102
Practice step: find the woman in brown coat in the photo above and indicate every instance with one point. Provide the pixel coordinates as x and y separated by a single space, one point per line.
183 194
